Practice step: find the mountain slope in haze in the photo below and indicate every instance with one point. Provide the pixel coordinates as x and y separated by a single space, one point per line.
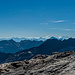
26 44
54 45
56 64
48 47
10 46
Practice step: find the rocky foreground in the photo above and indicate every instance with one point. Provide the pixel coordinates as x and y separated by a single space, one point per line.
55 64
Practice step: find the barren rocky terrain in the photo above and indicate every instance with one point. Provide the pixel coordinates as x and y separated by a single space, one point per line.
54 64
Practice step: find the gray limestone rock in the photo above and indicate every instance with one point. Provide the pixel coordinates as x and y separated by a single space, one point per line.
56 64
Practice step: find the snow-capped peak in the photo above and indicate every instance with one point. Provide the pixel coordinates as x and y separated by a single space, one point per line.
63 37
17 39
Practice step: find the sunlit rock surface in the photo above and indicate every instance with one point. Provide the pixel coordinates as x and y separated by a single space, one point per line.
55 64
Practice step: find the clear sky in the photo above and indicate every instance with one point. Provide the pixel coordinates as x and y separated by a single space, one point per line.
37 18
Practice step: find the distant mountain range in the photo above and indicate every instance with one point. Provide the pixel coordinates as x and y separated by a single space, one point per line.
20 39
17 44
46 48
11 46
34 38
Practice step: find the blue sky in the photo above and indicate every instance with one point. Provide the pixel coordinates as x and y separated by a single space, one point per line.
37 18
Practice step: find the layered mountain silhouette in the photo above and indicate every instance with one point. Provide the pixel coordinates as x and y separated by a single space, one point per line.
46 48
10 46
54 45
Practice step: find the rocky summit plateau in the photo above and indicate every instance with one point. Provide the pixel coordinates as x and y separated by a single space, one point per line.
55 64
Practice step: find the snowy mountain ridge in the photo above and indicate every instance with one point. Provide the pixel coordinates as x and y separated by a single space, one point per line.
17 39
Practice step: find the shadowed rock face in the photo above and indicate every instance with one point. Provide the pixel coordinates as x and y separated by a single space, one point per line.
55 64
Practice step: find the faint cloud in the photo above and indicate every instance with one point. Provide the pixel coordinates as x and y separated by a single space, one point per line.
58 21
66 29
43 23
46 23
62 29
47 37
73 23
